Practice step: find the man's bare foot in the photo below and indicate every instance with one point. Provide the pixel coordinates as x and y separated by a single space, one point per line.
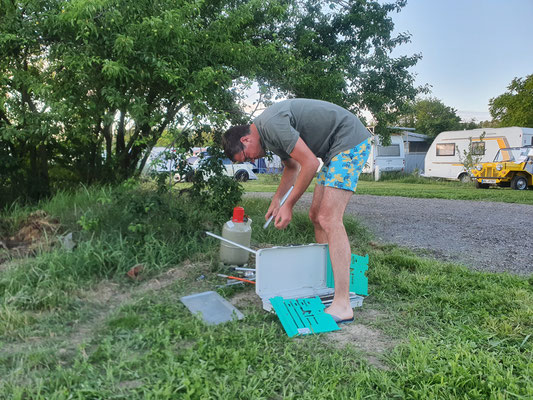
340 311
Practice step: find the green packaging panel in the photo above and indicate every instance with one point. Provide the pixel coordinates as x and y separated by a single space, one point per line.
358 279
303 316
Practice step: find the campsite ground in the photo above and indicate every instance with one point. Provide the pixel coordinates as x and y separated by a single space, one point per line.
74 324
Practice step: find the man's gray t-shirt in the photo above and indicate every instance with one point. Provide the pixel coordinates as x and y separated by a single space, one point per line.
326 128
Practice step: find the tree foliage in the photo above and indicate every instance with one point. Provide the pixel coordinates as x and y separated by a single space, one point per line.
28 125
431 117
89 86
514 107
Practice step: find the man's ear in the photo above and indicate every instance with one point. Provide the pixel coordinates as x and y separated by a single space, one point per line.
245 139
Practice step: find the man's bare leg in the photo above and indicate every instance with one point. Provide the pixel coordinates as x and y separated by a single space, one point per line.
320 234
331 204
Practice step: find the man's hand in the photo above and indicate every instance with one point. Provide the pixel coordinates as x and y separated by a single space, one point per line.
298 172
273 209
283 217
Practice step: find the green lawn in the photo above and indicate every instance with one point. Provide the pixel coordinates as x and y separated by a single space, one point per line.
73 326
421 188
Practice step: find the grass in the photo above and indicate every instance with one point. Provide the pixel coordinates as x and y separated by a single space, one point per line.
456 333
412 186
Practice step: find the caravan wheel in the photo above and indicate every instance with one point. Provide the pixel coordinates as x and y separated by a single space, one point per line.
465 178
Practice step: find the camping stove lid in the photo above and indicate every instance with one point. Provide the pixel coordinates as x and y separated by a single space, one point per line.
282 271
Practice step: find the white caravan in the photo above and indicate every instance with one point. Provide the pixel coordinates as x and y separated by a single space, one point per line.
443 159
386 158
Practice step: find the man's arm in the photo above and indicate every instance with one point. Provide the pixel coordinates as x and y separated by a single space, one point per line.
290 171
308 163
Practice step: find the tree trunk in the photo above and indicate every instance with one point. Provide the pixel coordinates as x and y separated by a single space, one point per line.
121 144
38 180
156 134
108 136
135 154
44 177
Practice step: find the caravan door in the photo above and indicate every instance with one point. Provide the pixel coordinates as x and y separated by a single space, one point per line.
390 158
386 158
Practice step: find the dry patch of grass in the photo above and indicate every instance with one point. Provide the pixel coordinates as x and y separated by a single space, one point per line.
38 232
373 343
247 300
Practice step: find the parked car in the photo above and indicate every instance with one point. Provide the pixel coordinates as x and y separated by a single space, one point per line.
240 171
512 166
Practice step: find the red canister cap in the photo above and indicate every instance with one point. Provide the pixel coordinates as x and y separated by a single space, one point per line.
238 214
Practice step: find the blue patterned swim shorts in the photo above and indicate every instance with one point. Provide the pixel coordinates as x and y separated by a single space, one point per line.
344 169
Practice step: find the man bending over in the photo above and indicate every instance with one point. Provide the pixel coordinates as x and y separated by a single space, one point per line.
299 131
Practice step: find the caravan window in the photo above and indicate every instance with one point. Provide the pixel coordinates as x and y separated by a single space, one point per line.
446 149
478 148
389 151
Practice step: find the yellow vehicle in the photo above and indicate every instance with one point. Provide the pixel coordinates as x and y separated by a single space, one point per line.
512 167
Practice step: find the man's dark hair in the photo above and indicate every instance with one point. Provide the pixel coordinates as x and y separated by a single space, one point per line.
231 140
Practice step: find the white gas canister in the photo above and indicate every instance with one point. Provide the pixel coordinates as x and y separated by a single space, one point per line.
238 230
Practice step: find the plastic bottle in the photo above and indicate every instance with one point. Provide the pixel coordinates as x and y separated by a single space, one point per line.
238 230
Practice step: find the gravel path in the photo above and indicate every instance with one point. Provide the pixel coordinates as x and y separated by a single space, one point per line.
483 235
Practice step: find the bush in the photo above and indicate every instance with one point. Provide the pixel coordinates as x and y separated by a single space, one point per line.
115 228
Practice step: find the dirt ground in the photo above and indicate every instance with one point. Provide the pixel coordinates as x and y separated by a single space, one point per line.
360 334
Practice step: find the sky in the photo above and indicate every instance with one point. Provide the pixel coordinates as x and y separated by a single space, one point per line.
471 49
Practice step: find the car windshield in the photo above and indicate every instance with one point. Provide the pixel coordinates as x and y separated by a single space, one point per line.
512 154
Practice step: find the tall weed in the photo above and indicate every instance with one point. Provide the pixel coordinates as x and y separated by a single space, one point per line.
115 229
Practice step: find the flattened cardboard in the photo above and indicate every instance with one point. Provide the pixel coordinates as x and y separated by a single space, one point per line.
303 316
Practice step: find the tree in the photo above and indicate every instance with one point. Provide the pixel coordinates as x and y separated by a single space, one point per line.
488 124
514 107
28 127
148 66
431 117
111 76
127 62
472 124
343 55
